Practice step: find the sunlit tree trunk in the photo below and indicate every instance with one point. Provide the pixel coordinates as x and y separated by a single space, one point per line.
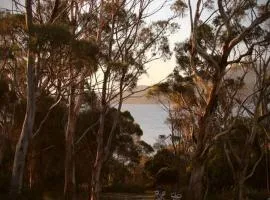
75 102
27 129
196 184
95 180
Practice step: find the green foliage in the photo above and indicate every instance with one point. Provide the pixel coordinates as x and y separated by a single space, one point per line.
182 57
167 176
205 35
84 54
145 147
179 7
167 169
219 173
84 48
48 146
51 36
162 159
176 88
209 4
119 67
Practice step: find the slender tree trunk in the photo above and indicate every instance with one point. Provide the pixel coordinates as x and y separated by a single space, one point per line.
70 182
240 189
103 151
20 158
196 190
95 181
70 186
26 134
27 128
73 113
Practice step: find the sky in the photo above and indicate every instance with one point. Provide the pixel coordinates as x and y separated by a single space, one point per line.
157 70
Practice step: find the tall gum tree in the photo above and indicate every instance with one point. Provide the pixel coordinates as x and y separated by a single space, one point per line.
49 42
251 129
82 65
27 129
125 42
229 24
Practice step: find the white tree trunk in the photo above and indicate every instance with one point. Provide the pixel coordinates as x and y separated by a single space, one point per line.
26 133
27 129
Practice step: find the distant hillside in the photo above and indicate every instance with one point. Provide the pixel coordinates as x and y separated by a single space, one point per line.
140 96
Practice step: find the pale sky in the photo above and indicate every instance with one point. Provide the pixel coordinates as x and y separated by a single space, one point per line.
5 3
157 70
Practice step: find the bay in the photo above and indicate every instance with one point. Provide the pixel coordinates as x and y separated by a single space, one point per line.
151 118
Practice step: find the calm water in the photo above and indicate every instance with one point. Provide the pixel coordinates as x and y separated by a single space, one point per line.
151 118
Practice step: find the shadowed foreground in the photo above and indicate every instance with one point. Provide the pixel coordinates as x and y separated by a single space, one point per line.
115 196
126 196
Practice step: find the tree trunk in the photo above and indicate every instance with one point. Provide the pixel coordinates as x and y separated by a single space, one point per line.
27 128
196 182
240 193
95 181
73 113
20 157
70 185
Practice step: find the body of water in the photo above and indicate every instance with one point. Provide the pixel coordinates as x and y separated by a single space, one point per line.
151 118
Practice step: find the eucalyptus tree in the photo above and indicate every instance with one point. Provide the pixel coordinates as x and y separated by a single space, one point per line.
81 66
179 98
27 129
50 46
252 117
11 26
124 40
66 44
12 59
125 151
218 41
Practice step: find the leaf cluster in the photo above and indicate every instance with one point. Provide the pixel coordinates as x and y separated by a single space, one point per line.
50 36
11 22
